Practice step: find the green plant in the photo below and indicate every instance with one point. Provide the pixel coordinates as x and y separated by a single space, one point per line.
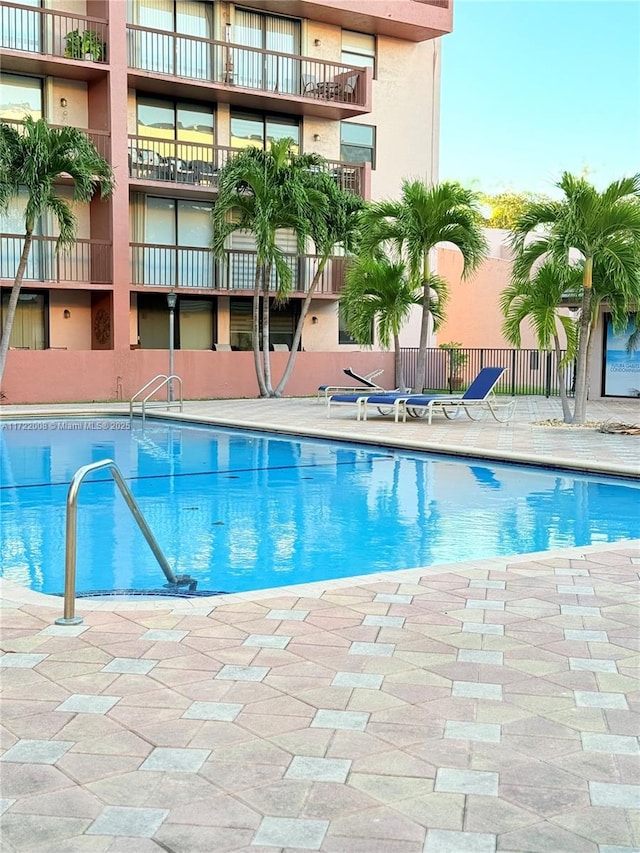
457 361
89 43
73 45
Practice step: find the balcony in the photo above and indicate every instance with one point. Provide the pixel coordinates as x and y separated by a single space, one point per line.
50 42
182 65
192 165
86 261
100 138
410 20
190 268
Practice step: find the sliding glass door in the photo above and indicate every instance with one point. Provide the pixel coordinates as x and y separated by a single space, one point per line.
172 39
264 71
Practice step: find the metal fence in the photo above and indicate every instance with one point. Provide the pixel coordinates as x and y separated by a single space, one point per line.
529 371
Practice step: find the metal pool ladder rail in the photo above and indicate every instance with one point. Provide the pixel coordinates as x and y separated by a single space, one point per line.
156 384
69 617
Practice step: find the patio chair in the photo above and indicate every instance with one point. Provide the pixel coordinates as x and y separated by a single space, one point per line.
479 397
349 88
364 382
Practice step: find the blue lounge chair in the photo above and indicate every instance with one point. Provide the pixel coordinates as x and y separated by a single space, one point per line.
363 383
479 396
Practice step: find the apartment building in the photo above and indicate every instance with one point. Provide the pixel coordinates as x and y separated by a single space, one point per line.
169 90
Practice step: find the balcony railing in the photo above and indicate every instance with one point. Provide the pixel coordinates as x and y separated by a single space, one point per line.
199 164
86 260
242 67
49 33
100 138
186 267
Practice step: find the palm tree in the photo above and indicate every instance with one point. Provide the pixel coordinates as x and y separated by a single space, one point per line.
424 217
604 229
334 224
32 160
537 301
379 293
264 192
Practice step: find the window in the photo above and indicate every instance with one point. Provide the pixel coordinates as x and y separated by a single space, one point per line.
29 330
358 143
177 142
20 28
282 323
166 54
20 96
268 71
194 322
359 49
344 336
176 234
255 129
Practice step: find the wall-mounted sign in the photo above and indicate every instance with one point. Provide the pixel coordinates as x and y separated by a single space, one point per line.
621 367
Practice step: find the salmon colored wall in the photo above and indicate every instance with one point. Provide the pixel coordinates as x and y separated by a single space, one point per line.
59 376
473 313
73 332
76 111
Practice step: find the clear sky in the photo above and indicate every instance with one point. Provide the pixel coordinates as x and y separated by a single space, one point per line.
531 88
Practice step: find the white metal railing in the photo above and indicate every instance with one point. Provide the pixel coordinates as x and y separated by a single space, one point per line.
69 617
157 384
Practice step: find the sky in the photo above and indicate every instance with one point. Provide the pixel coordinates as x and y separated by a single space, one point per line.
531 88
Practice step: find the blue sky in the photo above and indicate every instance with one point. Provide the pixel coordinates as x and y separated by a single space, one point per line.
531 88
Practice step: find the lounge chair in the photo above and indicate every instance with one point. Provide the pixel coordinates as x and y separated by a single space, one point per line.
364 383
479 397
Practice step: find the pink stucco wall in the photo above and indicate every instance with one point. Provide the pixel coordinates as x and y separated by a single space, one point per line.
473 313
33 376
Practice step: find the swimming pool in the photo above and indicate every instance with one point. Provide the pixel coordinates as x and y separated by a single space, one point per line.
240 510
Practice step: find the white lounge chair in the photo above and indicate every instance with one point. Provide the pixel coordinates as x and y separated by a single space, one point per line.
364 383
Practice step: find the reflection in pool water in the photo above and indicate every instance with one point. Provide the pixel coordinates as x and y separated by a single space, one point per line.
241 510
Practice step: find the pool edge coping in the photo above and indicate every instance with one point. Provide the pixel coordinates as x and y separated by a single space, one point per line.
14 595
559 463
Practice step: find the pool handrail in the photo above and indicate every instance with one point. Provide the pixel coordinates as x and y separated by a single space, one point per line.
69 617
171 403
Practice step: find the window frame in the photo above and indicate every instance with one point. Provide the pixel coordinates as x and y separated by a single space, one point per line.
38 80
25 295
372 148
357 55
264 119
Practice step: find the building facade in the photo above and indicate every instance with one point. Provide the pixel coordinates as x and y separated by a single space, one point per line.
169 90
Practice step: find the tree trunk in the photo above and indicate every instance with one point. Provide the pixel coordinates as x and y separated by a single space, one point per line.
297 337
13 301
582 359
266 355
257 360
399 373
424 330
562 382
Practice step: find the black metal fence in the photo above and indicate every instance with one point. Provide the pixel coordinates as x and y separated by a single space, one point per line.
529 371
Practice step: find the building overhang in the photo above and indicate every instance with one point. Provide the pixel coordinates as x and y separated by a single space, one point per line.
410 20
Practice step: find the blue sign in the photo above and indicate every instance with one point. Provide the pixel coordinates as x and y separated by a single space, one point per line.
621 367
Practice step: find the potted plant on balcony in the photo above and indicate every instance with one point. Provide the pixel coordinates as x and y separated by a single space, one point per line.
73 45
87 45
457 359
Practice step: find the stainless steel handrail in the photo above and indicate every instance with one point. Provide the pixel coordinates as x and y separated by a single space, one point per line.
170 404
69 617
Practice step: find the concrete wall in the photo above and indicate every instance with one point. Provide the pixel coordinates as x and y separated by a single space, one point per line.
42 376
74 331
474 317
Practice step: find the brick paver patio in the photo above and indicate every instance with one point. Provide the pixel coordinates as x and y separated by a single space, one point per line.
481 706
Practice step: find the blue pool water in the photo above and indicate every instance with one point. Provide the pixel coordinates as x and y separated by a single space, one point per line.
242 510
